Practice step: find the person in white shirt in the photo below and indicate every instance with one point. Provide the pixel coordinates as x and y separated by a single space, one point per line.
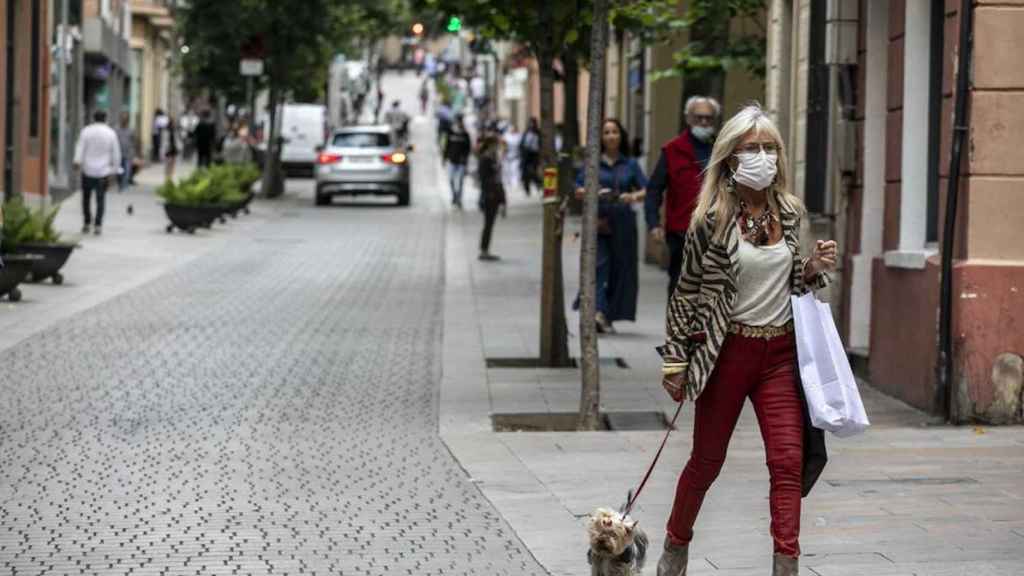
98 159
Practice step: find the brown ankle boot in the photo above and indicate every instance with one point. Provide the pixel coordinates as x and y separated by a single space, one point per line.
785 566
673 560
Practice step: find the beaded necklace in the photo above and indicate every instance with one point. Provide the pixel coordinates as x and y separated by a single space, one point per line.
756 230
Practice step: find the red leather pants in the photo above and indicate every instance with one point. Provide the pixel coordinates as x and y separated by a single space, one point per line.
765 371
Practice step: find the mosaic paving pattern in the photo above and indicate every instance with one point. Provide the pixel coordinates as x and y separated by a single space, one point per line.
268 409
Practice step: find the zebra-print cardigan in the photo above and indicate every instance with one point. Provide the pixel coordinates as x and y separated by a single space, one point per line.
700 309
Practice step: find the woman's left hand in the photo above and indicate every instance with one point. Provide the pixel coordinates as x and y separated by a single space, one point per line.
824 257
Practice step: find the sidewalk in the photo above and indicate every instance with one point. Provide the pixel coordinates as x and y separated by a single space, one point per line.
133 250
902 499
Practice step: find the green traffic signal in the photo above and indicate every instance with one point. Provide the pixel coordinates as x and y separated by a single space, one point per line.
454 24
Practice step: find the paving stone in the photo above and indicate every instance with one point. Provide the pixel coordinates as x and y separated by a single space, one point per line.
268 408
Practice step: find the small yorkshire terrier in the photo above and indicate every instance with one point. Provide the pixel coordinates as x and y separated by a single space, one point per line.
618 547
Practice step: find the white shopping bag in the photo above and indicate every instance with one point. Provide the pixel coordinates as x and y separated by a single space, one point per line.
829 386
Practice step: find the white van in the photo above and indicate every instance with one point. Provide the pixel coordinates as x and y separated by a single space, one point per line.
304 128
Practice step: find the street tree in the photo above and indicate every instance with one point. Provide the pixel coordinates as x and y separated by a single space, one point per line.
545 28
714 46
297 40
590 390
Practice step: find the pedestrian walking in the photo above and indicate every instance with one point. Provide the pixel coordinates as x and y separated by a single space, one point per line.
444 116
171 154
189 122
478 90
457 148
398 120
237 145
159 125
622 184
529 156
98 159
492 191
730 330
127 142
424 95
205 136
510 161
675 182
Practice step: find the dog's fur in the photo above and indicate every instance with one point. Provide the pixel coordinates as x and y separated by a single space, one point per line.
618 547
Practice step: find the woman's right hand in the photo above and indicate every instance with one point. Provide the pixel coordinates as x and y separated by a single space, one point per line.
674 385
580 192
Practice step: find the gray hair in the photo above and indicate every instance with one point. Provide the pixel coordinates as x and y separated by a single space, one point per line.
694 100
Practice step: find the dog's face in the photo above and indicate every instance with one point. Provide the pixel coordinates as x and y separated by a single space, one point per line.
610 533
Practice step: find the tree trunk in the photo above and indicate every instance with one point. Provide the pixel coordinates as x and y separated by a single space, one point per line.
273 182
554 336
571 126
590 392
571 129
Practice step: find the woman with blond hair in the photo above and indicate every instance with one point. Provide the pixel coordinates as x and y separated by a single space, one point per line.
730 329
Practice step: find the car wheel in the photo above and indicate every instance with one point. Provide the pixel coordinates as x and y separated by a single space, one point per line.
322 199
403 196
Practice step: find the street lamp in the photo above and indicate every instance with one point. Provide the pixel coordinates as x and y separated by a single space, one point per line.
185 49
417 29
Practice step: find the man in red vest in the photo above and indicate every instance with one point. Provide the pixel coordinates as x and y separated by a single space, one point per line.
680 171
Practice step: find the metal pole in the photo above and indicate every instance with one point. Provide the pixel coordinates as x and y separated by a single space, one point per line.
63 54
250 99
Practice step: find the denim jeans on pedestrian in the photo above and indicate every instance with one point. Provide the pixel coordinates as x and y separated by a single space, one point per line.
90 185
604 271
125 180
456 177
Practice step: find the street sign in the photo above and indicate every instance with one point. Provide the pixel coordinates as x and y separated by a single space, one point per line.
550 185
250 67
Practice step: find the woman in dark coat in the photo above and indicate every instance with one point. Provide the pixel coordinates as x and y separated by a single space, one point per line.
622 184
492 191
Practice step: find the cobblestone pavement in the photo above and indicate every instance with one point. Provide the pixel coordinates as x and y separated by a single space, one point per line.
267 409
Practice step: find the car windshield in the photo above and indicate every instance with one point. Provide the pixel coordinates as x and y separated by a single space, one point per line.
361 140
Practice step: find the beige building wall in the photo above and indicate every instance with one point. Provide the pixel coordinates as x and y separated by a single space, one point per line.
151 24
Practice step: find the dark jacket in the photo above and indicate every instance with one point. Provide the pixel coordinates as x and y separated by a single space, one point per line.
621 241
458 146
205 133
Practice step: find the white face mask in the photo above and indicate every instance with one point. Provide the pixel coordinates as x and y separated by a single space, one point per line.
756 170
702 133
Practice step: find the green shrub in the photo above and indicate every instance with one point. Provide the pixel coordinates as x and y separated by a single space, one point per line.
23 225
222 184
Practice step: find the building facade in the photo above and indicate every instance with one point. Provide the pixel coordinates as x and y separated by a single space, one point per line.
872 84
152 51
25 118
107 74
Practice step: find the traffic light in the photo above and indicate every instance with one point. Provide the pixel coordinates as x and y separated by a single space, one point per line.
417 28
454 24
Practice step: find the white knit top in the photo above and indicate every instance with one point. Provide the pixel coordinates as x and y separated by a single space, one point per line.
762 298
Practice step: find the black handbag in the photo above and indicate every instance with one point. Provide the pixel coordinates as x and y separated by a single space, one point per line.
815 454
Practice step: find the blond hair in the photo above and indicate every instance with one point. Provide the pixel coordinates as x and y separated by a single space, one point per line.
717 198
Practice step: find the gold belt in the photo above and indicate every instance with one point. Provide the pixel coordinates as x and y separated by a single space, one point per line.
766 332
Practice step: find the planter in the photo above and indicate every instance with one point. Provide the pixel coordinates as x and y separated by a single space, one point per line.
234 208
16 268
189 218
52 258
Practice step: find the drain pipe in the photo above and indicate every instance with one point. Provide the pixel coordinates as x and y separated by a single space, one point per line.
947 391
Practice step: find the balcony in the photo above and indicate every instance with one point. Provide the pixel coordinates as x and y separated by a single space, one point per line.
100 39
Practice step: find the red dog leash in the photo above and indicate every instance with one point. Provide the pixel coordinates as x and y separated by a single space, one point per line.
636 495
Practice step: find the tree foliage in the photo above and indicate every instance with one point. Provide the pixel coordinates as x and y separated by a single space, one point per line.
714 47
298 38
